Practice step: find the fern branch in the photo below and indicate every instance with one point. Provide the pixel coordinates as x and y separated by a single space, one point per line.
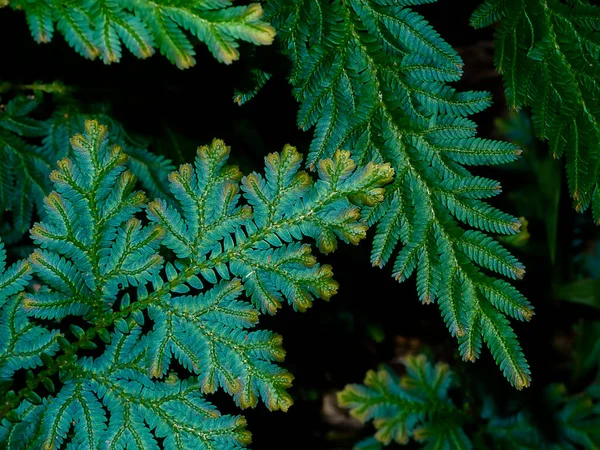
371 76
558 46
101 27
100 262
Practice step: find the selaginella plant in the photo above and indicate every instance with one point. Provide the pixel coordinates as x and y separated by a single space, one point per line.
418 406
119 289
371 77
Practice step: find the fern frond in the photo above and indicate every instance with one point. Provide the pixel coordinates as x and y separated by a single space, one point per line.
417 405
29 147
258 80
547 52
97 260
150 170
140 410
371 76
414 406
100 28
257 245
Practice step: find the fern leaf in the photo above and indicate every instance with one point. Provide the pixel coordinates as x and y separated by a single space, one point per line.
101 27
258 80
576 419
100 262
140 410
27 161
416 405
371 76
558 46
263 253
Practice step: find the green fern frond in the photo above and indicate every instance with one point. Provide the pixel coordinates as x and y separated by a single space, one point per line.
416 405
21 341
140 410
100 28
547 52
150 170
98 261
371 76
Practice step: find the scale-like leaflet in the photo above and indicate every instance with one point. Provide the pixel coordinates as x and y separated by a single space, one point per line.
100 263
372 76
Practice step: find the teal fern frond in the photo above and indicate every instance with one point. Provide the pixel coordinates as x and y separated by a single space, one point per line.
140 409
416 405
100 28
231 237
372 76
30 147
151 170
21 341
547 52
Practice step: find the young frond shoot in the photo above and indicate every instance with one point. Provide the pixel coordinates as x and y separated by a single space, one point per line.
100 28
372 76
237 249
548 53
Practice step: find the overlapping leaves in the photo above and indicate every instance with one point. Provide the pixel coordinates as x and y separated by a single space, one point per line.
101 28
99 261
30 147
372 76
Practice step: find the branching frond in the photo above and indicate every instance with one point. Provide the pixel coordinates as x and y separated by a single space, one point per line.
30 147
232 238
417 405
101 28
372 77
23 168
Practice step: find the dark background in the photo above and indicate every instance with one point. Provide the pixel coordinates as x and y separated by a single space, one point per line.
373 319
